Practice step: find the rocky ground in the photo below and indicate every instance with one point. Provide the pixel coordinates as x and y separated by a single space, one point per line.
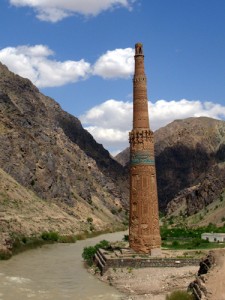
156 283
215 279
150 283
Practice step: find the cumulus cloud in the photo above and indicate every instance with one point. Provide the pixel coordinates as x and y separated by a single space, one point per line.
118 63
163 112
56 10
34 63
111 121
38 64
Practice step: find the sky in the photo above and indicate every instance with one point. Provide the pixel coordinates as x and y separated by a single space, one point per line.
80 53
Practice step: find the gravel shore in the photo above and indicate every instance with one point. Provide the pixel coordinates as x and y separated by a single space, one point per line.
156 283
150 283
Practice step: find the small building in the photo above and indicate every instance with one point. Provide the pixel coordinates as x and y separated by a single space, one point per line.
214 237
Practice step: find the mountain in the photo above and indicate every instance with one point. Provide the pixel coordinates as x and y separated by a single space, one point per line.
190 156
55 176
48 152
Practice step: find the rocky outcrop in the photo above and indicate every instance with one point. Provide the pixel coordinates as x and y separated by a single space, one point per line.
189 162
186 151
47 151
123 157
198 286
208 189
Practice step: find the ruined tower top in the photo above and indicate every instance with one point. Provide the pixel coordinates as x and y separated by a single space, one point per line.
140 100
139 49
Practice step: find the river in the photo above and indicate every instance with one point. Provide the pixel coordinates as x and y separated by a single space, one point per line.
54 272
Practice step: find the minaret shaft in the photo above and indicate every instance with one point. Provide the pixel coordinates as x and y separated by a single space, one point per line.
144 234
140 111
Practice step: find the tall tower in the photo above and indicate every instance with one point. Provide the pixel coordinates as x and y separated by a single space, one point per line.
144 234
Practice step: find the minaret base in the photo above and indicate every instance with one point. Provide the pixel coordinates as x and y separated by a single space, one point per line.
155 252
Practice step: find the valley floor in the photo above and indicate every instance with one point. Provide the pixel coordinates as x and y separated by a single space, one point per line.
156 283
150 283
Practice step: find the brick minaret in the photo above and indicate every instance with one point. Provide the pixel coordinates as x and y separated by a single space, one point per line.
144 234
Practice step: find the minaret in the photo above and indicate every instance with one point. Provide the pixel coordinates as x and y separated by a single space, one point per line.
144 233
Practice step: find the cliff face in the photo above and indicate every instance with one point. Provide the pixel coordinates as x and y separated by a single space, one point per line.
47 151
187 151
189 161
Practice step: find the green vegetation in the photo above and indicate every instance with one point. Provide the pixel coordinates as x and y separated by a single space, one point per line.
189 238
184 232
20 243
113 211
67 239
126 238
89 252
179 295
5 255
89 220
50 236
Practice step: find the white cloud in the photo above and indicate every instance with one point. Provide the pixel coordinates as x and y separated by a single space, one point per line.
37 63
112 113
56 10
34 63
163 112
111 121
118 63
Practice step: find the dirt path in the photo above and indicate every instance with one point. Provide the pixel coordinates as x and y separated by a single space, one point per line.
215 283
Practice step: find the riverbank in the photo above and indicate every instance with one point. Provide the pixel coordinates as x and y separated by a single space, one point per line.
14 243
152 282
156 283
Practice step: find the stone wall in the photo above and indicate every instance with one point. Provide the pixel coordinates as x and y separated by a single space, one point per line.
104 261
153 262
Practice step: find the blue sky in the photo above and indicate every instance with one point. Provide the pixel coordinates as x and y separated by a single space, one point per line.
81 54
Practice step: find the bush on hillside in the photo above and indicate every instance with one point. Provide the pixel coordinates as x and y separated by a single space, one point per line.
50 236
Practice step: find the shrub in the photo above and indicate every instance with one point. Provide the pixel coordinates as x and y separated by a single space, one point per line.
24 239
175 244
89 252
179 295
50 236
67 239
5 255
103 244
113 211
197 242
126 238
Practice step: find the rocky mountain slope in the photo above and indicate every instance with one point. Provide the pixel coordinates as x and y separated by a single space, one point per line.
190 156
47 151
